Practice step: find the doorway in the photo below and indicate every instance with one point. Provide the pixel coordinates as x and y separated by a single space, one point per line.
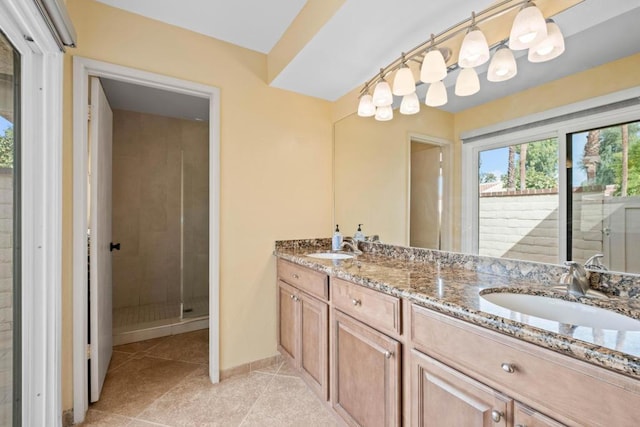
84 70
429 193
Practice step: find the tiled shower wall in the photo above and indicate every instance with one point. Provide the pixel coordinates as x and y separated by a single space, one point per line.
146 208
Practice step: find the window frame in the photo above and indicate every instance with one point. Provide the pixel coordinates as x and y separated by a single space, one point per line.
534 130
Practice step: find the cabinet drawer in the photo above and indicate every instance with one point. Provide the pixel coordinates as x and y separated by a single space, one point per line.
374 308
576 391
310 281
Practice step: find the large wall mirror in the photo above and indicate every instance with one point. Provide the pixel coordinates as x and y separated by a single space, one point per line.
403 179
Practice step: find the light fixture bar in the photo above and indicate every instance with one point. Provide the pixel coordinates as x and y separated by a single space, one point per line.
486 14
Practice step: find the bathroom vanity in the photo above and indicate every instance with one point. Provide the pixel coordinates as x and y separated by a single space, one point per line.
402 336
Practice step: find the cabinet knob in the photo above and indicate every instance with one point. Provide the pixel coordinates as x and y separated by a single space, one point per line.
295 276
520 425
508 368
356 302
292 296
388 354
296 299
496 416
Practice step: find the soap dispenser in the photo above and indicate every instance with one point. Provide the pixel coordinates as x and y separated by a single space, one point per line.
359 236
336 241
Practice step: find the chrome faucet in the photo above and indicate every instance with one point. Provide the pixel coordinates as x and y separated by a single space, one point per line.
595 263
576 279
350 243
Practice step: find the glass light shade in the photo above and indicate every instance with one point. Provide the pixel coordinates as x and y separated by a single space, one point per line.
433 67
410 104
384 113
474 50
403 82
529 28
468 82
436 94
503 65
549 48
366 107
382 94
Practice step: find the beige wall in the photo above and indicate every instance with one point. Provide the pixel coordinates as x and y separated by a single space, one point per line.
147 157
276 155
371 170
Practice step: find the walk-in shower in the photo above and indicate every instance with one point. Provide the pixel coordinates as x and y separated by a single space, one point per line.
161 219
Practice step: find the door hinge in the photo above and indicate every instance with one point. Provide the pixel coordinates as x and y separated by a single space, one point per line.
88 351
89 109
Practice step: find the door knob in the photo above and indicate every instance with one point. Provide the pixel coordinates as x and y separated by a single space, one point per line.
114 246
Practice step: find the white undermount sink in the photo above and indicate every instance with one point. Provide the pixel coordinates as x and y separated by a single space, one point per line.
331 255
572 313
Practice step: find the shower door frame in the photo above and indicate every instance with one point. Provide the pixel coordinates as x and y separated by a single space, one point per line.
83 68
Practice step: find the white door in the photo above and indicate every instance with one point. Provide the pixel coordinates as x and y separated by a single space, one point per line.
100 298
622 232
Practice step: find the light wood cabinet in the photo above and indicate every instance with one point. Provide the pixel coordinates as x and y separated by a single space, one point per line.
443 397
365 374
303 328
527 417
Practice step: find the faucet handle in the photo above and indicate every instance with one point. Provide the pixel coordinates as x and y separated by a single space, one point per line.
595 263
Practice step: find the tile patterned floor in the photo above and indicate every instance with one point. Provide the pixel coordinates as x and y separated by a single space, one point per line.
164 382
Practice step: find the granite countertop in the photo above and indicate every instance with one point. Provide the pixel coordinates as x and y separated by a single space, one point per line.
452 287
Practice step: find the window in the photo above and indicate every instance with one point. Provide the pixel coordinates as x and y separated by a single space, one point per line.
10 343
518 201
604 183
561 185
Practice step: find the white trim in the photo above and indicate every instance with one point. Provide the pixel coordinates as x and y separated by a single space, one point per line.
82 69
446 227
560 131
41 142
599 101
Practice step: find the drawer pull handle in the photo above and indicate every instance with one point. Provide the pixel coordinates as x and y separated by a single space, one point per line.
295 276
388 354
508 368
356 302
496 416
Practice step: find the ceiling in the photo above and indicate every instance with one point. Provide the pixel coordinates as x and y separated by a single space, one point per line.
364 35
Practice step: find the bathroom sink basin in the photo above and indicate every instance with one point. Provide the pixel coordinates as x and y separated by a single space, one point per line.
572 313
331 255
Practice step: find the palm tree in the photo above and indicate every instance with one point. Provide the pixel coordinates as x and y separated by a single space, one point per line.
591 156
511 168
625 160
523 166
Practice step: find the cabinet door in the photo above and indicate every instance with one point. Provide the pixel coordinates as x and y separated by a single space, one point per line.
527 417
314 344
443 397
366 374
288 324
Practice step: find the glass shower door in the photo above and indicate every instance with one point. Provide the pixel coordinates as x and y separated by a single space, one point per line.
195 220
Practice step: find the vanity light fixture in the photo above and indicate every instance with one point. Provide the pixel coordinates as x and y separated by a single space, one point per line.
474 50
503 65
434 65
403 82
549 48
384 114
365 106
410 104
436 94
467 82
382 95
529 30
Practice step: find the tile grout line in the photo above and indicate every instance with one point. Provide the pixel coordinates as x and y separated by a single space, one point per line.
273 376
163 395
